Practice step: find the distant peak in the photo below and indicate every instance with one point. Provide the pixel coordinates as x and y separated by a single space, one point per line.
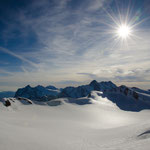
95 85
28 86
110 82
93 82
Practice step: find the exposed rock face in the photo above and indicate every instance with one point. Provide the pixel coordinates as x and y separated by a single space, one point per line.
41 93
124 97
76 92
135 95
95 85
7 103
85 90
13 102
128 92
24 100
38 93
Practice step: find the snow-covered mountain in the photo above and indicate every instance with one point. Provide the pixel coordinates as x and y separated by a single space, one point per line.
100 123
128 99
38 93
41 93
85 90
132 99
124 97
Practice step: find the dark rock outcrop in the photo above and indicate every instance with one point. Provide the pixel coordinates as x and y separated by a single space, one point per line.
22 99
7 103
85 90
130 99
38 93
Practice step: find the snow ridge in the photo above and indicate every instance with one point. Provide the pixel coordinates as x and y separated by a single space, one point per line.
130 99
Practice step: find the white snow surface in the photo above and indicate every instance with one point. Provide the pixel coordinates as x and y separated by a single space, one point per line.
100 125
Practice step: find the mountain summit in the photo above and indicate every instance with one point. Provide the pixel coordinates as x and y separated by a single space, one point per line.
125 98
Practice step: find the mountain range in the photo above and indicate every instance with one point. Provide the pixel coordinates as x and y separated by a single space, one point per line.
130 99
99 115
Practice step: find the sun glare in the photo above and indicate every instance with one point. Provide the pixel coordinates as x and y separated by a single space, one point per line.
124 31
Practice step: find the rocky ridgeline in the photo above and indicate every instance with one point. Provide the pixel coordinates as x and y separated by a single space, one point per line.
85 90
125 98
40 93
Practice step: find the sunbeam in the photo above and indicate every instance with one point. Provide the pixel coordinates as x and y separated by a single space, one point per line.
123 25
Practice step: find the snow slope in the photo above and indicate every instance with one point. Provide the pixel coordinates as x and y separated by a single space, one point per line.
129 99
100 125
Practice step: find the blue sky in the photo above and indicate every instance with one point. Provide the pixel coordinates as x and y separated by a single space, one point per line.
71 42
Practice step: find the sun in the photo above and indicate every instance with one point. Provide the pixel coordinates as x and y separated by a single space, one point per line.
124 31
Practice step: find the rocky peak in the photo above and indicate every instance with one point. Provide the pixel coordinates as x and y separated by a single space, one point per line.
128 91
93 82
28 87
95 85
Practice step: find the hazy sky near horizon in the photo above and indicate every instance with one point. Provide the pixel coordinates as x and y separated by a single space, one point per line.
70 42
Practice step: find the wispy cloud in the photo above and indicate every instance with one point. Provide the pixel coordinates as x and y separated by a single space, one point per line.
120 75
74 42
4 72
17 56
